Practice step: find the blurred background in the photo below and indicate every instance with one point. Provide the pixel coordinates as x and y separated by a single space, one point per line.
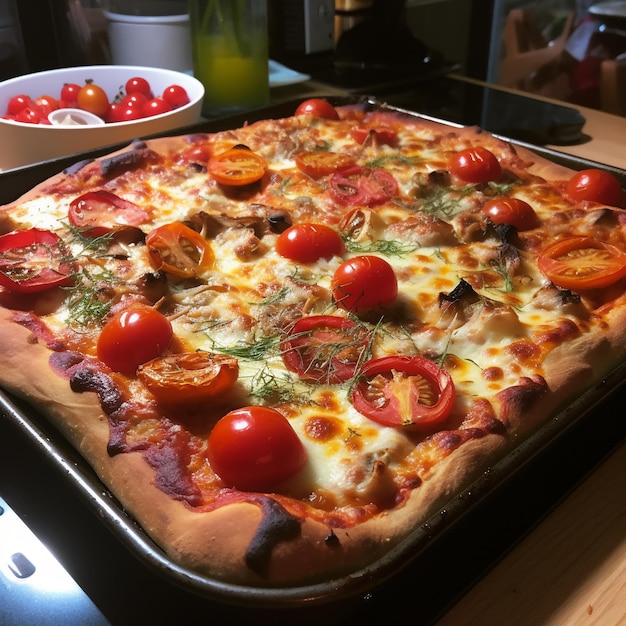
571 50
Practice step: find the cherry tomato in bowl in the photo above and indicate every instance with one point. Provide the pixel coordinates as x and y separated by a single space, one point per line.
595 186
307 243
94 99
364 282
404 390
255 448
133 337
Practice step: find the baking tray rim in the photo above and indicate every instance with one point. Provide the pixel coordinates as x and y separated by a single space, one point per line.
75 469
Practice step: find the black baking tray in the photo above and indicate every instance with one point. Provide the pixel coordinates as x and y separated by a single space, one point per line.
426 542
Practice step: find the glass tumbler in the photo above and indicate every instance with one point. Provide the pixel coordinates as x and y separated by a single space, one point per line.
230 54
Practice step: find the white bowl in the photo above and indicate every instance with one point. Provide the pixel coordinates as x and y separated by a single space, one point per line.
23 144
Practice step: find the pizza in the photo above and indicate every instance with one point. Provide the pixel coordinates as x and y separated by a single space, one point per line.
284 347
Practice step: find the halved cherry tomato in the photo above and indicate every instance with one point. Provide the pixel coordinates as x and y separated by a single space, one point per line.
318 108
318 163
379 135
34 260
596 186
307 243
404 390
94 99
179 250
189 377
132 337
237 166
364 282
255 448
100 212
511 211
325 348
580 263
476 165
363 186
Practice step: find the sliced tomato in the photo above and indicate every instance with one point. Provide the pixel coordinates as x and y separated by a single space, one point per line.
476 165
363 186
189 377
379 135
511 211
307 243
34 260
325 348
237 167
364 282
132 337
255 448
179 250
596 186
100 212
403 390
318 163
580 263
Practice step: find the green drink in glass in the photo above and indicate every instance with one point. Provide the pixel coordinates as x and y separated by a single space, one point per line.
230 54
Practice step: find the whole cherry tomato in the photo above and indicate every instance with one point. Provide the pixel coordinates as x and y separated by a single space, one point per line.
138 84
364 282
511 211
476 165
132 337
175 95
318 108
595 186
255 448
94 99
156 106
307 243
18 103
69 94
